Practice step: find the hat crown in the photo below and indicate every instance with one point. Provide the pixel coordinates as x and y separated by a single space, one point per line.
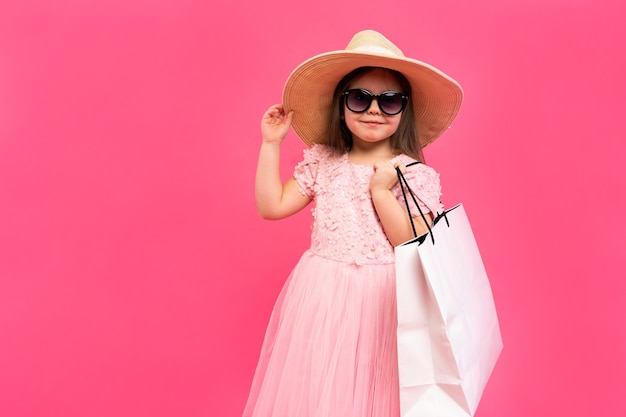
370 41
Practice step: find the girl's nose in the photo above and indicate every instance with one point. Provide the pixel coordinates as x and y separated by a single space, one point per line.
373 108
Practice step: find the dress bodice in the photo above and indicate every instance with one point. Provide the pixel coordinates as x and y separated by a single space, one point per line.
345 224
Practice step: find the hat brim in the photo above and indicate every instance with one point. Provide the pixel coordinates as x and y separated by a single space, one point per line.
309 91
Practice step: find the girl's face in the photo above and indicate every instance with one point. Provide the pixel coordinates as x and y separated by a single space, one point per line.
372 125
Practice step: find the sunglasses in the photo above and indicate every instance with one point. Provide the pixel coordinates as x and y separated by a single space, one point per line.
389 102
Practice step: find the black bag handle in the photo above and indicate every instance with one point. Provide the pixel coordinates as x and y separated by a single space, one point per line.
403 183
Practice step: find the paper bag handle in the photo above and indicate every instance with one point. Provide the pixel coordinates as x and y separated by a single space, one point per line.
403 183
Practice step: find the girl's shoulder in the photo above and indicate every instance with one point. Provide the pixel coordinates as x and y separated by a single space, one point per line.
424 181
318 161
318 152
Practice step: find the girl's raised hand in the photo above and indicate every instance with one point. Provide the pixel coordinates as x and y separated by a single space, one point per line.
385 176
275 124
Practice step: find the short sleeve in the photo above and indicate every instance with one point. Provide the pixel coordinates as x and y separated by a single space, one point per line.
305 172
425 184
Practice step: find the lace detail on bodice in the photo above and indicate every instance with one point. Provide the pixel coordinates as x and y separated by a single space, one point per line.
345 224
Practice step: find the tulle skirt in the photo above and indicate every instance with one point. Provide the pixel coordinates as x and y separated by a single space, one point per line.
330 346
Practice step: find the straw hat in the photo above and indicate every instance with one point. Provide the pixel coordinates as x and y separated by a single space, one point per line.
310 87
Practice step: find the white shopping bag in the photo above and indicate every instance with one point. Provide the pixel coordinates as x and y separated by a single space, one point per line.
448 332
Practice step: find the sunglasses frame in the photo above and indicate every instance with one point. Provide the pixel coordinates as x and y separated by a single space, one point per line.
404 97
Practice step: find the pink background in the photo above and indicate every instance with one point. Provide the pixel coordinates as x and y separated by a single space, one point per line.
136 278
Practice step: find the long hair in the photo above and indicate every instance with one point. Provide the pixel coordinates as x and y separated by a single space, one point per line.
404 139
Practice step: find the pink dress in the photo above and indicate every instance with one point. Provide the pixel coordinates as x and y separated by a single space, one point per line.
330 346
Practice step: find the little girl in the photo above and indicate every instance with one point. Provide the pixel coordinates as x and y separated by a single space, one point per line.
330 347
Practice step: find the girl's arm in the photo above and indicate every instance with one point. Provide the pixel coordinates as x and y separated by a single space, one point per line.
392 215
274 199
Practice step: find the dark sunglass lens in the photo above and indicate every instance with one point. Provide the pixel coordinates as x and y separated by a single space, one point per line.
358 100
390 103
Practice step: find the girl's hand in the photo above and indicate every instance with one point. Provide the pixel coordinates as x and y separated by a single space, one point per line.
392 215
275 124
385 176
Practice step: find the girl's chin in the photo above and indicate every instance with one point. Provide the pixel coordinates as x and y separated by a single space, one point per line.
372 139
